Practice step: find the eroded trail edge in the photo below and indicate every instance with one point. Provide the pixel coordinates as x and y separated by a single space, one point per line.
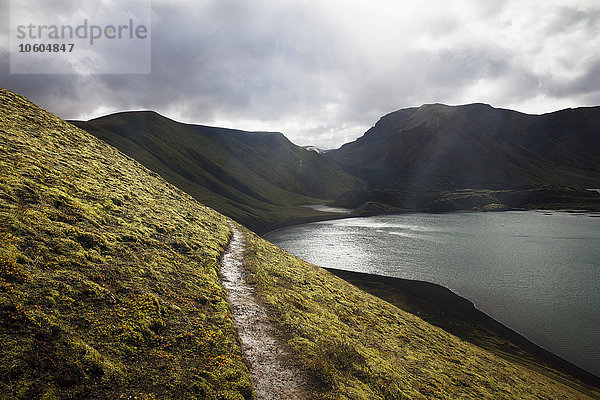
273 377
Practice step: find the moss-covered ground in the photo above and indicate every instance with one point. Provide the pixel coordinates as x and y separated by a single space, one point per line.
109 285
358 346
441 307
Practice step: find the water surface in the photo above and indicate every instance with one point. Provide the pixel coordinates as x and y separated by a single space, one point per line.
536 272
329 209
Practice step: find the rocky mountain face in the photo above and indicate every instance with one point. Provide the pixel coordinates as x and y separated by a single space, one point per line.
476 146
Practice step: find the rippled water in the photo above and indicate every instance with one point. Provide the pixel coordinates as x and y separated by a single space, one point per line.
536 272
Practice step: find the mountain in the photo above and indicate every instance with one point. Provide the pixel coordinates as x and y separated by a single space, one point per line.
110 289
432 158
258 178
440 147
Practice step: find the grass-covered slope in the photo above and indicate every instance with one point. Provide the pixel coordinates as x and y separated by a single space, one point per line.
109 284
441 307
258 178
360 347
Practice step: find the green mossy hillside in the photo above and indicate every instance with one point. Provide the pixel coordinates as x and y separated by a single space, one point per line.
358 346
109 285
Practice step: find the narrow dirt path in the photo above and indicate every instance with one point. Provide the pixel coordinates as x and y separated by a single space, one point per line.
273 377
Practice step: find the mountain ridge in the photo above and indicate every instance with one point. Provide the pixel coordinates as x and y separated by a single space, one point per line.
476 145
259 178
423 158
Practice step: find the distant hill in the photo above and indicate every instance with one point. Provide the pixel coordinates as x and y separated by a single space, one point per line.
439 147
258 178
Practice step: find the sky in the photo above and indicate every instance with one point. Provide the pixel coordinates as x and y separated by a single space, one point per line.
324 71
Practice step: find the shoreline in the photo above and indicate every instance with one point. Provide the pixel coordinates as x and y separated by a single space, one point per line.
329 216
457 315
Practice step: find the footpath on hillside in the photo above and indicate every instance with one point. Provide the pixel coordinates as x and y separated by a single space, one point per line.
273 376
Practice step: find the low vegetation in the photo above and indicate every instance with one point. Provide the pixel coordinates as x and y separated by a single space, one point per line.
109 285
441 307
358 346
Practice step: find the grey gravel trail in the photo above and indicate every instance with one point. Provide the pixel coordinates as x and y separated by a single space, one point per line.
273 377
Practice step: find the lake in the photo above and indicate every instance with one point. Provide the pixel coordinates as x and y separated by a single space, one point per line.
536 272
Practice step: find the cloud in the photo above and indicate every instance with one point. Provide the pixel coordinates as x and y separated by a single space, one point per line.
324 72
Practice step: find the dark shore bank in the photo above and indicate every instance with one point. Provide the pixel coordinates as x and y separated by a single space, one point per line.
457 315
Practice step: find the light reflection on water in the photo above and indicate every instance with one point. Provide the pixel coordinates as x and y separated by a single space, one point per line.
537 272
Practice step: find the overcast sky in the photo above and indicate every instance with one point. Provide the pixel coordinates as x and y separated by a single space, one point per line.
324 71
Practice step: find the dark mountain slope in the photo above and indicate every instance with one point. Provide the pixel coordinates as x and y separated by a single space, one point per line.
259 178
439 147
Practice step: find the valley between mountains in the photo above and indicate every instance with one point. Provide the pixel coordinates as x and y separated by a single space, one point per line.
434 158
111 285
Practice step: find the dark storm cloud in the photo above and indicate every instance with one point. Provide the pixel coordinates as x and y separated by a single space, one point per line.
323 72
